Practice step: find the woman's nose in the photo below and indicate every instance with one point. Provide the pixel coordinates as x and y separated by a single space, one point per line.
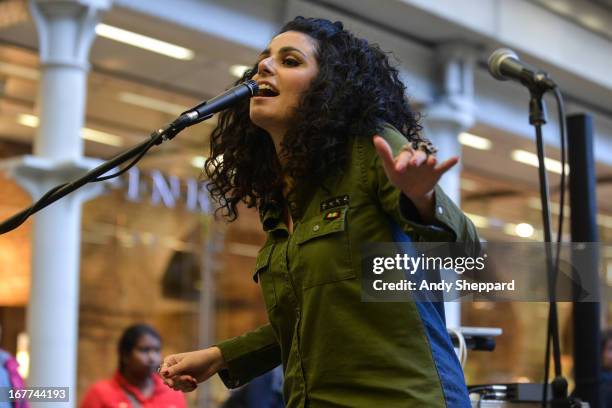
265 66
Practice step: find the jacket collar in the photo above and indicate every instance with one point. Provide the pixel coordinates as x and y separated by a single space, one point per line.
135 391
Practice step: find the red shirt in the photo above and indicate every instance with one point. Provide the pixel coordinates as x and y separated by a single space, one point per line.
113 393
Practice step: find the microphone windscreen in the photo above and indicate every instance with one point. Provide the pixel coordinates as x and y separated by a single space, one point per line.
495 61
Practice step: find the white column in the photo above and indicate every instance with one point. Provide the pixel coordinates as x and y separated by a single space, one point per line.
66 30
450 114
215 238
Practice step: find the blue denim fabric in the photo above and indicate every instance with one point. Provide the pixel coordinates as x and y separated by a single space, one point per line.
433 318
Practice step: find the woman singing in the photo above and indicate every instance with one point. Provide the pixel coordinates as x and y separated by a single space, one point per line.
330 153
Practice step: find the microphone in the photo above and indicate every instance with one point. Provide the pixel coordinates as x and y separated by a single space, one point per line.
208 108
504 64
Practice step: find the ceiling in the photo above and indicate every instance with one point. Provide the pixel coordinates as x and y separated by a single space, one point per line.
118 69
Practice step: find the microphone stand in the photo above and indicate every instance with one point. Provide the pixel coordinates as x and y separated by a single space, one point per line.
197 114
537 118
156 138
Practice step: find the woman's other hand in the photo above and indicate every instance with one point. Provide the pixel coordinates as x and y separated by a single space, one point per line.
414 173
184 371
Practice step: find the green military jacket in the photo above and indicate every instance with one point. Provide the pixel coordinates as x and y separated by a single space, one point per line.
336 350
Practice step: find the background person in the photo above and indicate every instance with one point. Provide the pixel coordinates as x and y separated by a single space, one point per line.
135 384
10 378
265 391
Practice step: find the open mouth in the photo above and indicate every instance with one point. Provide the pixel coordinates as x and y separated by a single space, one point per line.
267 91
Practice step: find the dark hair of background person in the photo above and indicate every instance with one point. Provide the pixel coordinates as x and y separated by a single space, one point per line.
355 91
130 337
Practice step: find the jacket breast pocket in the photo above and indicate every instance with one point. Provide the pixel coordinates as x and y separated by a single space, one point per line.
264 276
324 250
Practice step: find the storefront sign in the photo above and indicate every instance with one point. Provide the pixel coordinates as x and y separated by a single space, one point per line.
169 191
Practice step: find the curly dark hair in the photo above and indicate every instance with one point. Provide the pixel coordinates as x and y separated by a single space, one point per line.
355 92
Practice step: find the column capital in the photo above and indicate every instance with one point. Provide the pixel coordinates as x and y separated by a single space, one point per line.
451 113
37 175
454 102
457 49
66 30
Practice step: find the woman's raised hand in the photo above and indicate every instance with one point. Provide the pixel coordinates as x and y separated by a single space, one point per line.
184 371
414 173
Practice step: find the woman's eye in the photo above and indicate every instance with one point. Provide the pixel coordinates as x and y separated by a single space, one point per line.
292 62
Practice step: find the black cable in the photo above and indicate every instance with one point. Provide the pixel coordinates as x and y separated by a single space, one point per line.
547 361
195 115
129 166
563 129
32 209
49 196
550 336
